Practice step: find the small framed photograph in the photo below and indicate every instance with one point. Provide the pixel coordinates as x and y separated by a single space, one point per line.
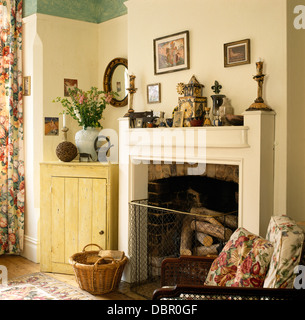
171 53
69 83
178 119
237 53
51 125
154 93
139 123
26 86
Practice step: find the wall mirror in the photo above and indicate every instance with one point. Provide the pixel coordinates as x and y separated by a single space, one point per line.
116 80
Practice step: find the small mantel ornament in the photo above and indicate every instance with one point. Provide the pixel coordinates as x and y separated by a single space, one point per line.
192 103
217 97
259 103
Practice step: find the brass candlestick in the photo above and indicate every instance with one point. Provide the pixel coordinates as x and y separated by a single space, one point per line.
259 101
65 130
132 90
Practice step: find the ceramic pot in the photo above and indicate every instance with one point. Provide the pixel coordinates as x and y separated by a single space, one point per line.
85 143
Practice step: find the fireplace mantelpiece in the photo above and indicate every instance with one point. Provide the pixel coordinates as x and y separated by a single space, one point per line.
249 146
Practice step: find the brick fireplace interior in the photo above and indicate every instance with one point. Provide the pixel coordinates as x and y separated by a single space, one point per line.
183 215
170 186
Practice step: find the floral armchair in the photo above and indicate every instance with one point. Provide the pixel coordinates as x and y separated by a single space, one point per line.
248 267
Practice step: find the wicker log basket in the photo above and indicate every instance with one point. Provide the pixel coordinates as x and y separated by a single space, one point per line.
95 273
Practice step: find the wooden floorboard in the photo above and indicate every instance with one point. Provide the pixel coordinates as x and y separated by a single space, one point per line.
18 266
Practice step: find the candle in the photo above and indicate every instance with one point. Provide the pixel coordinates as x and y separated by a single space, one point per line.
259 67
64 120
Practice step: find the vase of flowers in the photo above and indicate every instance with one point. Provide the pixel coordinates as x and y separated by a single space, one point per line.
86 107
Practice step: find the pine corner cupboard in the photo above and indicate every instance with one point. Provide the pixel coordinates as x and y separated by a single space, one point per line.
78 206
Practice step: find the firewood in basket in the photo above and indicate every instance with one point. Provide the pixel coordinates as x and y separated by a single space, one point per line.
186 237
204 239
217 231
204 251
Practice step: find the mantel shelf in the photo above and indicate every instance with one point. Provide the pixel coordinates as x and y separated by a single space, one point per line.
208 137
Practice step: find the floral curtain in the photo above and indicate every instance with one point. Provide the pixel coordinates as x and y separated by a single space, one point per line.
11 128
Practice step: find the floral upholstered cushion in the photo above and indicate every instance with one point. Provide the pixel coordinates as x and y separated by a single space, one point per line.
243 262
287 239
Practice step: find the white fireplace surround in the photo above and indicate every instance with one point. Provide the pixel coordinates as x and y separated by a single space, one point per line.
251 147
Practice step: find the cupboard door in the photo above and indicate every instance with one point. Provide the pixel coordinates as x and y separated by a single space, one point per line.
85 213
58 221
92 212
78 217
99 210
71 217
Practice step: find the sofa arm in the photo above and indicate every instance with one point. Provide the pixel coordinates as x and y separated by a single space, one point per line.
195 292
186 270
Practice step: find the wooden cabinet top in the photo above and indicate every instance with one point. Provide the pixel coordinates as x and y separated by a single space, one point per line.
77 163
79 169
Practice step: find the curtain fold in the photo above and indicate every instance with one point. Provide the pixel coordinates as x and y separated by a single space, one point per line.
12 184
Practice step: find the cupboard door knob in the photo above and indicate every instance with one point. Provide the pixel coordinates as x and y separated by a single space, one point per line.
101 232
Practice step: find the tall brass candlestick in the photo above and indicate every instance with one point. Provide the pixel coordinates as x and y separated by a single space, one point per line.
259 78
132 90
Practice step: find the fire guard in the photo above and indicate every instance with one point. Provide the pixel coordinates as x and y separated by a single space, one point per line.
156 233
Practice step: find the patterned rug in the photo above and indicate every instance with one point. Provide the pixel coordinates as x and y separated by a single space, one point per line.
39 286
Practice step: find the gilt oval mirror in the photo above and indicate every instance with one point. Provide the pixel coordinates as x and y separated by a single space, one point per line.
116 80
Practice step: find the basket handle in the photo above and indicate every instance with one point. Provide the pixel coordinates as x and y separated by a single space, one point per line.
104 258
113 262
92 244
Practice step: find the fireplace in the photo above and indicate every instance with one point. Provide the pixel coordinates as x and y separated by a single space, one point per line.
183 215
202 151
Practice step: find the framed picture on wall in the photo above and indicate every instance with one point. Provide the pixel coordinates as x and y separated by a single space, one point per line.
26 86
69 83
51 125
154 93
237 53
171 53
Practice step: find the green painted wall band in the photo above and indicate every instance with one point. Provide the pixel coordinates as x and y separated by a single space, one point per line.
95 11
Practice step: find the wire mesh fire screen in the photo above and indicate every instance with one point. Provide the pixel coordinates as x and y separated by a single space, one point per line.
156 233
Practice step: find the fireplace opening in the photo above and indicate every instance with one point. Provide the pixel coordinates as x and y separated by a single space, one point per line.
182 215
187 192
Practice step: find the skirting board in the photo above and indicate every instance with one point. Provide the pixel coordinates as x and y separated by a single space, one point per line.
31 249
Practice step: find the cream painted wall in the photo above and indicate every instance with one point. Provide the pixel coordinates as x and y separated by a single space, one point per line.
296 116
112 43
212 23
54 49
70 51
